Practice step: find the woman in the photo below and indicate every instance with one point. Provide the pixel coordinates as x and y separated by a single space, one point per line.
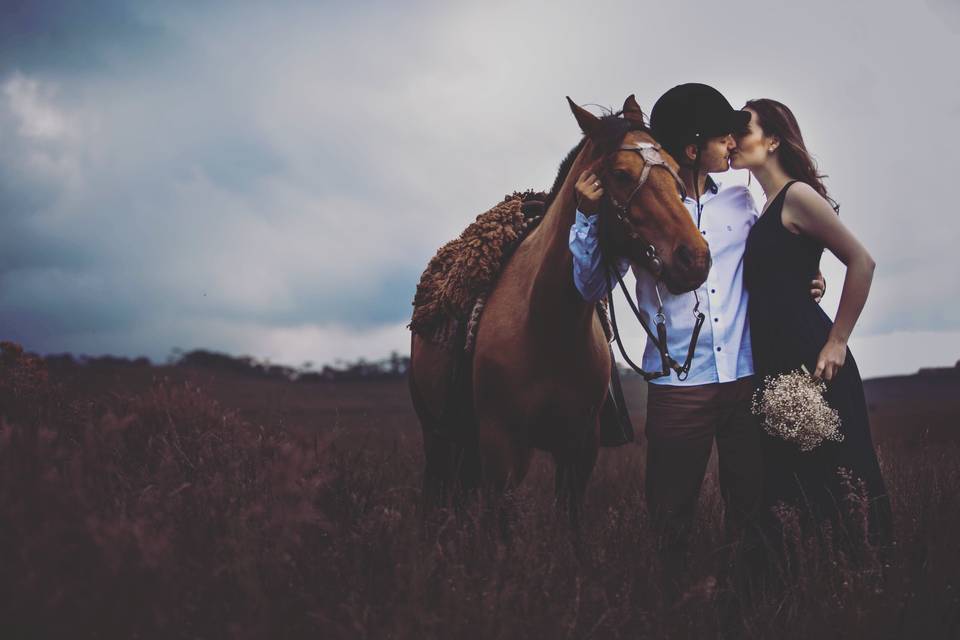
789 329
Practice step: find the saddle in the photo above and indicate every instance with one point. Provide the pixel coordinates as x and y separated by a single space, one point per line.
463 271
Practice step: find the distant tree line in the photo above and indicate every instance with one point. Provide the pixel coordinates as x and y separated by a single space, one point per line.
393 366
66 361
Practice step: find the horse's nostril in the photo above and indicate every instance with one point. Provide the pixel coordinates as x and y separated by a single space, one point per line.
684 257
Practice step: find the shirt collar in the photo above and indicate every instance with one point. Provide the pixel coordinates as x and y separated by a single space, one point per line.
711 188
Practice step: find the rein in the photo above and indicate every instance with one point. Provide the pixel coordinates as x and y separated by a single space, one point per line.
660 339
650 152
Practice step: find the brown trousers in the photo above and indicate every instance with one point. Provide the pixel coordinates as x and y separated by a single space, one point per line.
682 423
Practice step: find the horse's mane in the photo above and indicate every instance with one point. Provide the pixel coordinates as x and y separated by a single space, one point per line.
614 128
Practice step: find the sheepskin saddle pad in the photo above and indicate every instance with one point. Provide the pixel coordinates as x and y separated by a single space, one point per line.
454 286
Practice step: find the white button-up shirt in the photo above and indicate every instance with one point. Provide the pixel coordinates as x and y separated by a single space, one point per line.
723 352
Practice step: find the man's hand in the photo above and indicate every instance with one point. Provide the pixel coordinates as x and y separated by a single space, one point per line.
589 192
817 287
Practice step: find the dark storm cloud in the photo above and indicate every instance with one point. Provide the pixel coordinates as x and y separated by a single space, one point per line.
63 36
272 179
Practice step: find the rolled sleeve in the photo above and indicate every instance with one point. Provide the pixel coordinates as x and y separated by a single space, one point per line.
588 271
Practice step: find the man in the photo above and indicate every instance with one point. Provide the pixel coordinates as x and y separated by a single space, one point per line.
694 123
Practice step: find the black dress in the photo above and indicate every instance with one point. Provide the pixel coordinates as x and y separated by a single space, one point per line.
788 328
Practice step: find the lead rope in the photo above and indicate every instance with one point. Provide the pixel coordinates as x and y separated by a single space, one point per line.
659 340
696 183
696 307
661 329
697 325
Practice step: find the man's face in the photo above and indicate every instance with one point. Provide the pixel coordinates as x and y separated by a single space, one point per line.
715 154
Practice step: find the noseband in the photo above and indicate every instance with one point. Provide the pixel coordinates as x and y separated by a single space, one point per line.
650 152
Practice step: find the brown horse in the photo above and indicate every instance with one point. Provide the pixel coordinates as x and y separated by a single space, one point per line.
541 364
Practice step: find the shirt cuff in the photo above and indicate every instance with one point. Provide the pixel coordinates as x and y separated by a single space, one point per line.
584 219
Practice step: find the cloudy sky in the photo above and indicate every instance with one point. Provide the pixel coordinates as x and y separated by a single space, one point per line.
270 179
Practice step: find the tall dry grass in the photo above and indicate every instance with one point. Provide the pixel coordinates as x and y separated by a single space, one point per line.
164 515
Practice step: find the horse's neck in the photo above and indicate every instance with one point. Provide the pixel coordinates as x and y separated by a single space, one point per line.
553 293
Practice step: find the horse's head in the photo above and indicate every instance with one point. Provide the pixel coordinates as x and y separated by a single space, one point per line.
643 215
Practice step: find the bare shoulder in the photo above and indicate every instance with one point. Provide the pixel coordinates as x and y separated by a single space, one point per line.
804 195
802 202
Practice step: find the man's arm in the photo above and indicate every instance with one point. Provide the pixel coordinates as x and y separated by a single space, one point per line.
588 269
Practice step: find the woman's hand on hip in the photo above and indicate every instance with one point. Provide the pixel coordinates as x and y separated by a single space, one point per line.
818 286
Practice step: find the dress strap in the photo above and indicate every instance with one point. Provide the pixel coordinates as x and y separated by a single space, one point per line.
783 189
787 186
782 192
803 238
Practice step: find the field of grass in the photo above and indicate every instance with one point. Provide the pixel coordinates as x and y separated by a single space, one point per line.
161 502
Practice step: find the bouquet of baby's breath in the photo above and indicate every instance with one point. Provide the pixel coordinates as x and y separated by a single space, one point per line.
793 408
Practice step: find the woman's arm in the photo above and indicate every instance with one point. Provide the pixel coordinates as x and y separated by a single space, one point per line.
806 212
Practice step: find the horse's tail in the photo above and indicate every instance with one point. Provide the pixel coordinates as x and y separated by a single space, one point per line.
451 441
462 416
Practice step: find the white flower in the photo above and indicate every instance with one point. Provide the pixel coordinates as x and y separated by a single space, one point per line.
793 408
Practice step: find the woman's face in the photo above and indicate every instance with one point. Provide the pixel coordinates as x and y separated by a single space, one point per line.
752 146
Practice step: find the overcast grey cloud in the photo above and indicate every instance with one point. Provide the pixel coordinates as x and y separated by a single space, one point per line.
271 179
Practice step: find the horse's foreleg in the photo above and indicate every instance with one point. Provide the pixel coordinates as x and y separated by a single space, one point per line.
573 470
505 463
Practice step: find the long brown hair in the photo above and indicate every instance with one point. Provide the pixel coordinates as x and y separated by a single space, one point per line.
776 119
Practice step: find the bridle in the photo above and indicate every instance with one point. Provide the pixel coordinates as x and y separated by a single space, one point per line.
650 153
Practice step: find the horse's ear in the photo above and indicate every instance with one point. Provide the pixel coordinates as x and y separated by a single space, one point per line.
632 110
588 122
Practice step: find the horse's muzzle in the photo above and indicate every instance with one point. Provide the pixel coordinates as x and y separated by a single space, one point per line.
689 271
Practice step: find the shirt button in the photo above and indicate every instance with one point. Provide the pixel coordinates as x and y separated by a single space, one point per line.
704 232
713 290
718 348
716 319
